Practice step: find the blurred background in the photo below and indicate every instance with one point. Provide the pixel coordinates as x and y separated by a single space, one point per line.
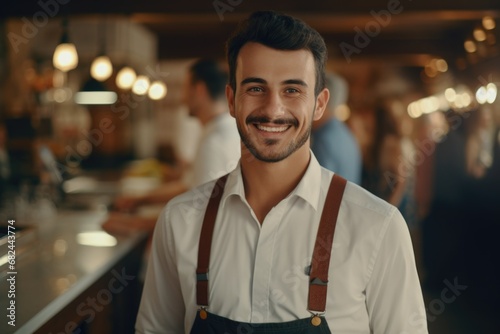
90 92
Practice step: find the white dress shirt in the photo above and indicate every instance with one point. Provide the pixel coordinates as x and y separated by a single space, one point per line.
218 152
258 271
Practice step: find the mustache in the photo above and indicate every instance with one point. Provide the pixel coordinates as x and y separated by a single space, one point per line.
277 121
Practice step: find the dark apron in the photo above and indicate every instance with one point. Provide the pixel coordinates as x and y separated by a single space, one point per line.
209 323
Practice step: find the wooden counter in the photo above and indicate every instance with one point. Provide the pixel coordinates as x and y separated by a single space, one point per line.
64 285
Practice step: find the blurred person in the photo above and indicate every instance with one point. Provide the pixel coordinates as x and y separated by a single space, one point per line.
444 228
218 151
255 250
381 170
332 142
480 142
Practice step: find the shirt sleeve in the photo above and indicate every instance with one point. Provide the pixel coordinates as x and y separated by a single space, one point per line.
393 295
162 307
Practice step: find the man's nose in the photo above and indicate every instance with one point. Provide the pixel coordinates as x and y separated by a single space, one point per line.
274 107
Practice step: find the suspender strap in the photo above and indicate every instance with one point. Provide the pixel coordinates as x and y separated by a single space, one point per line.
321 254
206 242
323 247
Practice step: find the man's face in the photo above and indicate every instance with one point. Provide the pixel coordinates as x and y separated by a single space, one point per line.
274 103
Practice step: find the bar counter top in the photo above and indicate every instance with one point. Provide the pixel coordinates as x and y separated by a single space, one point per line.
58 269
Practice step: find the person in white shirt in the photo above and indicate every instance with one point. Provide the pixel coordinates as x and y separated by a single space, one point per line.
280 245
217 154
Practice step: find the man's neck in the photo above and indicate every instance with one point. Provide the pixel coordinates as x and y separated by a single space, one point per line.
267 184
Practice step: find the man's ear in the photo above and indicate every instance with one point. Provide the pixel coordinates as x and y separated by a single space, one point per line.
230 99
321 102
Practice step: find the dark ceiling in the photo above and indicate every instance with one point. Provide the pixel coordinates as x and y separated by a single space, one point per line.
413 32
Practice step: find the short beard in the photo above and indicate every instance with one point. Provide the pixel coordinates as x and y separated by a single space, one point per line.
279 156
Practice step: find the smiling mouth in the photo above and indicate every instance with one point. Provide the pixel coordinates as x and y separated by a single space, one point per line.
274 129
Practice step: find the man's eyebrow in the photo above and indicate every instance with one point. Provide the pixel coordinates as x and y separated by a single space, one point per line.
252 80
295 82
285 82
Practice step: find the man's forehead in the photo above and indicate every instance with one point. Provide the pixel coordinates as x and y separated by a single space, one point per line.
260 61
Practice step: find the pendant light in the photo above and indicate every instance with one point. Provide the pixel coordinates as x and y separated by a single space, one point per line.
157 90
65 57
101 68
141 85
126 76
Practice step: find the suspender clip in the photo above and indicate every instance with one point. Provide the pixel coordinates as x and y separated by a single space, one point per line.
318 281
202 276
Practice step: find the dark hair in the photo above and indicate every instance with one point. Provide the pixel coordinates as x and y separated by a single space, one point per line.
280 32
211 73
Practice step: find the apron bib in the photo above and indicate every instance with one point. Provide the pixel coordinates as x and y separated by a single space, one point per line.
209 323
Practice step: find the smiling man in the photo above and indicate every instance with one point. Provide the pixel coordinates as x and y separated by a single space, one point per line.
280 245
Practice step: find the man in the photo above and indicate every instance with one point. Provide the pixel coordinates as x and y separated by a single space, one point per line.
217 153
332 142
262 269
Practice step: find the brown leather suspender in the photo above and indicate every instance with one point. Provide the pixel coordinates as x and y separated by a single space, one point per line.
322 248
318 277
206 242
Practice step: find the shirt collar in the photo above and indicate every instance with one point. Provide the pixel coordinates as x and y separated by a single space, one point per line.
308 188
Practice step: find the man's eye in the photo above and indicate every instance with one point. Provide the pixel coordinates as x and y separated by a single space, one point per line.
255 89
291 90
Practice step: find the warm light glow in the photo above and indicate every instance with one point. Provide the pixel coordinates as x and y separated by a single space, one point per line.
470 46
462 100
65 57
479 35
414 110
481 95
101 68
491 93
488 23
61 95
96 239
157 91
430 71
450 94
342 112
125 78
441 65
95 98
141 85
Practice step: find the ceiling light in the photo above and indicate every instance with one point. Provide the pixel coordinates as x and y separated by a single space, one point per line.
479 35
157 91
125 78
101 68
488 23
65 57
94 92
141 85
470 46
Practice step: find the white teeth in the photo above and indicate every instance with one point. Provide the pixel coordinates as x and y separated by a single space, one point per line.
272 128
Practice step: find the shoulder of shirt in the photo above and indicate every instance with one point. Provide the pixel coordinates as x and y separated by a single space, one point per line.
362 201
196 197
